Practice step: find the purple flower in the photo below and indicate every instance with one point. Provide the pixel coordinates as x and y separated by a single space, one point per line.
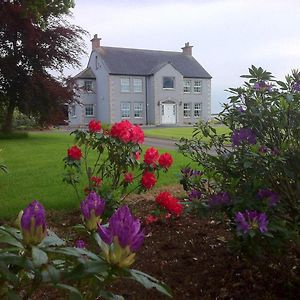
240 109
123 237
33 223
263 149
243 135
197 173
268 194
80 244
187 172
251 220
221 198
296 87
263 86
194 195
92 209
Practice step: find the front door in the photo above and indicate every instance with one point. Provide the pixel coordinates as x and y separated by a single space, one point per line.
168 114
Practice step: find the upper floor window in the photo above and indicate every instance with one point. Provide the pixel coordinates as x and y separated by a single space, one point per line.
137 85
125 110
187 86
186 110
125 85
89 110
138 110
197 110
168 82
88 85
198 86
72 110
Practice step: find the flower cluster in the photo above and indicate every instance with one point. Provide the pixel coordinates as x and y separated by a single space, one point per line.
96 181
148 180
123 237
262 86
251 220
127 132
152 156
33 223
219 199
194 195
269 195
74 153
243 135
169 203
94 126
92 209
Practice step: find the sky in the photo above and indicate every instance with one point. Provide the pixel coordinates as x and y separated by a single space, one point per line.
227 36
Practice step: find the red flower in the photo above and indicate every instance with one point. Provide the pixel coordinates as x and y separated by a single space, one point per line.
96 180
171 204
137 135
128 177
74 153
151 219
94 126
126 132
137 155
165 160
148 180
163 198
151 156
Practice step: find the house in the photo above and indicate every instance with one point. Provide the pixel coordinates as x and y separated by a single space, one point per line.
143 86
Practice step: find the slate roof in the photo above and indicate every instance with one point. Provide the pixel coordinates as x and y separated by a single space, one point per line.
86 74
125 61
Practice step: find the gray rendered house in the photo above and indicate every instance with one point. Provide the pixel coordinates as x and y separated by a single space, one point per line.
143 86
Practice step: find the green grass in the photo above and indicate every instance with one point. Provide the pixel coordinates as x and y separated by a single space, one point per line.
177 132
35 172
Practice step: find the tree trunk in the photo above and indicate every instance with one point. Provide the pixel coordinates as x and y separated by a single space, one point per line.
8 119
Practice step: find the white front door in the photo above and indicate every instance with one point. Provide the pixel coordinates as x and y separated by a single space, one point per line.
168 114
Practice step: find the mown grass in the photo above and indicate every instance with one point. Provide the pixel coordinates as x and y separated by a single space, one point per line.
35 172
177 132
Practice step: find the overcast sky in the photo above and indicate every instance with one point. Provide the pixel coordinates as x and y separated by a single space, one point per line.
228 35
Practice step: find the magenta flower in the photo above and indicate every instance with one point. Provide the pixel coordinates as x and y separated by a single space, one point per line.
80 244
268 194
243 135
33 223
123 237
219 199
251 220
92 209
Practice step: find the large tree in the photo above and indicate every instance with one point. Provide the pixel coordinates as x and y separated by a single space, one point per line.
35 40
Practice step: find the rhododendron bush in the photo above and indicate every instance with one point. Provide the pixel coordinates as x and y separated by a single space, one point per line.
117 167
254 175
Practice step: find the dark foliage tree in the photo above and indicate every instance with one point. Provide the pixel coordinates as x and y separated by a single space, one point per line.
35 39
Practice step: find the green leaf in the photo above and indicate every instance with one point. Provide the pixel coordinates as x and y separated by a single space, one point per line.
52 240
51 274
110 296
149 282
74 293
11 237
7 274
39 257
76 252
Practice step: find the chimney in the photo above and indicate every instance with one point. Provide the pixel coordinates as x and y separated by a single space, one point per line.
187 49
95 42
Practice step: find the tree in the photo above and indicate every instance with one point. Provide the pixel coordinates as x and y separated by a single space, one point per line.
35 39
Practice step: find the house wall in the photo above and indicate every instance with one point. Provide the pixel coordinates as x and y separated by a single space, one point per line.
164 95
117 97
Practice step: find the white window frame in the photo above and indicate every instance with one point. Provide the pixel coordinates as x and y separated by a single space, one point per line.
88 106
88 85
198 110
137 85
125 84
72 110
187 110
187 86
168 88
198 86
125 107
138 108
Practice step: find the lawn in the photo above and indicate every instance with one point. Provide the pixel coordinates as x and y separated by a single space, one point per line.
178 132
36 168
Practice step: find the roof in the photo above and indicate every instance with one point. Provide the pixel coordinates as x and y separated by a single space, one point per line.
125 61
86 74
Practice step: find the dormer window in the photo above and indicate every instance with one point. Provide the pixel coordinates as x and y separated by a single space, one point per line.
168 82
88 85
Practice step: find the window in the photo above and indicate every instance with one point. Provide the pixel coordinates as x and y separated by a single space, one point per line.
187 86
197 86
138 110
125 85
125 110
89 110
168 82
72 110
197 110
88 85
137 85
186 110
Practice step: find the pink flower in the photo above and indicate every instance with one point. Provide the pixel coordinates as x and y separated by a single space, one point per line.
151 219
151 156
94 126
165 160
137 155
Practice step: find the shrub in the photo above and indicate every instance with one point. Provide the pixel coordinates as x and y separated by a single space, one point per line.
255 182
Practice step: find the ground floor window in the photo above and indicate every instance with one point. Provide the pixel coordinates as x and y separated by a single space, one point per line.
197 110
138 110
125 110
89 110
72 110
186 110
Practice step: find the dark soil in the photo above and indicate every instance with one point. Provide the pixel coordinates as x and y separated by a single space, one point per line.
192 257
